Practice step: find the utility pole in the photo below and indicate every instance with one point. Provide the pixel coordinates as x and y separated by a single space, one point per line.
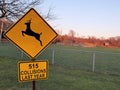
1 29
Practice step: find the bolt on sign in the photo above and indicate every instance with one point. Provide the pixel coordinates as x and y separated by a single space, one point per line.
31 33
32 70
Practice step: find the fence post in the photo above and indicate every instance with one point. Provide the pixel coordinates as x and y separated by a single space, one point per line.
53 56
21 55
93 67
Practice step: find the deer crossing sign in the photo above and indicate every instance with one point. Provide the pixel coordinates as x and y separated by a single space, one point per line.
31 33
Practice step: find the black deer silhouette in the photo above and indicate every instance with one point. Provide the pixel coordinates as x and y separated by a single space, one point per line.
29 32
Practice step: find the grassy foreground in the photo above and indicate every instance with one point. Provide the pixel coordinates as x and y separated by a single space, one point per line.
60 78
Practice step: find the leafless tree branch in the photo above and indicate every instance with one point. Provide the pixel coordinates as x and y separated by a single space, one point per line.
13 9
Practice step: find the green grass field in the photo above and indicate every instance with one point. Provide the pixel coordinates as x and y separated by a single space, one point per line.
72 69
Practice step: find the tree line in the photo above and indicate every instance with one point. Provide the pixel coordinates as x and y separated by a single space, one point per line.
71 39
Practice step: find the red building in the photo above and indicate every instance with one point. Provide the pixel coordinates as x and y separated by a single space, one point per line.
4 24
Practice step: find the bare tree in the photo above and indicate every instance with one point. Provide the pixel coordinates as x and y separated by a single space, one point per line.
72 33
13 9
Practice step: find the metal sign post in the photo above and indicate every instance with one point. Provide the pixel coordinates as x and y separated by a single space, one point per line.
33 85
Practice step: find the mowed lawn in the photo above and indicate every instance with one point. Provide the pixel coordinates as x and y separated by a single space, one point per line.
67 73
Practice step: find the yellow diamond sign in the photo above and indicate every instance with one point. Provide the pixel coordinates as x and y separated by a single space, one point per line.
31 33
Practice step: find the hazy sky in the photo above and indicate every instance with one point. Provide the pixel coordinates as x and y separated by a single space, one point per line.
99 18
